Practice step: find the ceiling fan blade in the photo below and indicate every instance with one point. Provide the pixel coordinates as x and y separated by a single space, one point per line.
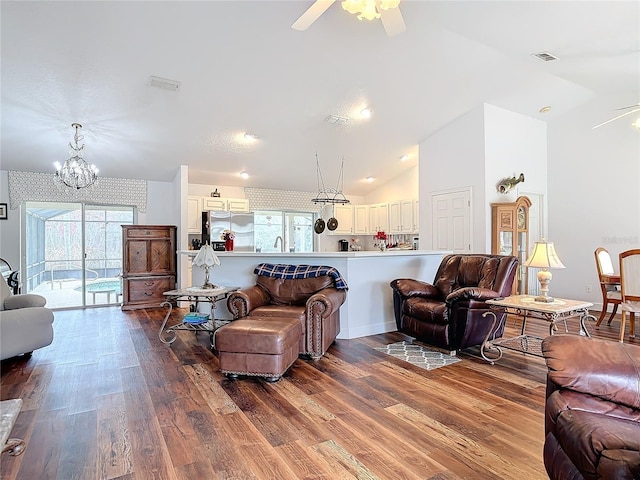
630 106
392 21
312 14
616 118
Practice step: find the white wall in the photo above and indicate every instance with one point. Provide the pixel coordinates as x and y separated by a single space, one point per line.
452 158
594 192
9 228
402 187
478 150
514 144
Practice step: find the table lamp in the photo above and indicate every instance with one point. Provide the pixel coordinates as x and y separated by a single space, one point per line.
206 258
544 256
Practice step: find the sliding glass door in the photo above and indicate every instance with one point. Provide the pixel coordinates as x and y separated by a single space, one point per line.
74 253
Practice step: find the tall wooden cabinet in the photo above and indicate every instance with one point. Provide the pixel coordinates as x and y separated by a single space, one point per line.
510 236
149 264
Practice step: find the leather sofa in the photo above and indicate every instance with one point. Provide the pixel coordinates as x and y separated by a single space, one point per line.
448 313
314 301
25 323
592 409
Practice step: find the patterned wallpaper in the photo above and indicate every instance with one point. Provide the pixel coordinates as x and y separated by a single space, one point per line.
266 199
39 187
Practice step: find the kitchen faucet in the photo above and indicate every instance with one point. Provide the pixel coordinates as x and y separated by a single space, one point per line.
275 244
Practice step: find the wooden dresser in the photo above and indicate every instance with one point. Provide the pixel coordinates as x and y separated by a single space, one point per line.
149 264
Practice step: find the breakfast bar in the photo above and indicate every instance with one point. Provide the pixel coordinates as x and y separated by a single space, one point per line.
368 309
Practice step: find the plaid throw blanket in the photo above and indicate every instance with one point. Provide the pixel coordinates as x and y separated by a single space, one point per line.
280 270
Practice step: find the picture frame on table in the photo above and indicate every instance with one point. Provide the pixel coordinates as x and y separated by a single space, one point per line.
3 211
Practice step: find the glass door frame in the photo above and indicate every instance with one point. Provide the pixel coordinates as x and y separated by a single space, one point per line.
83 260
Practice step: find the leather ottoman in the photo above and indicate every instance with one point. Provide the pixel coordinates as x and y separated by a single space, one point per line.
258 346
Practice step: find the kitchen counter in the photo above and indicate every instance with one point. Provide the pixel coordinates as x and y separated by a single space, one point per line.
368 309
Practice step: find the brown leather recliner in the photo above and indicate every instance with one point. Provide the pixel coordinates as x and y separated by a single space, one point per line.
592 411
448 313
314 301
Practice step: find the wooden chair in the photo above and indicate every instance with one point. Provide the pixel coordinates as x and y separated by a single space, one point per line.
630 289
609 284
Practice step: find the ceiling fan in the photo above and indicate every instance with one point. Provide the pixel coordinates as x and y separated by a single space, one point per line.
386 10
633 109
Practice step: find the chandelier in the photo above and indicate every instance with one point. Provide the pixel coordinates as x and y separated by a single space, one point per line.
76 173
368 9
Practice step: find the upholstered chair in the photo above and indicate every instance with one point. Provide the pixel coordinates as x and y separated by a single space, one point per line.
448 314
311 294
25 323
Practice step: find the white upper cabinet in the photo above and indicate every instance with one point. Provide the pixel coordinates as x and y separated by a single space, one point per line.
222 204
344 215
378 218
361 219
401 217
194 215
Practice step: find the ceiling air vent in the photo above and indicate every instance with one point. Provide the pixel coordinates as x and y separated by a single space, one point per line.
164 83
336 119
545 56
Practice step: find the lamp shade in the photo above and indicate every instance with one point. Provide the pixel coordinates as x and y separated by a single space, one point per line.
544 256
206 257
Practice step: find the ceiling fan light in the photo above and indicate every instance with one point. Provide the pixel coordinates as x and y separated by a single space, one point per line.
387 4
363 8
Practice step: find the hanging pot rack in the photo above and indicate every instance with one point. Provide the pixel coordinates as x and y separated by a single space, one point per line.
330 196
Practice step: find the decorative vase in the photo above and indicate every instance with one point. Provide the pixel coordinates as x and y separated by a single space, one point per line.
228 245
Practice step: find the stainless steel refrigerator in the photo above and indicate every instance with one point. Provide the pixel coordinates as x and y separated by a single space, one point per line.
214 223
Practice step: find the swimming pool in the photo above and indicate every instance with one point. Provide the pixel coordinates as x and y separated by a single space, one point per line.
107 286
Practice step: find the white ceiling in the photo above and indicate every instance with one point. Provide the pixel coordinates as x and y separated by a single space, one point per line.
243 69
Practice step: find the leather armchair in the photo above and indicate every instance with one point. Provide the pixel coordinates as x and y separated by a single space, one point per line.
25 323
592 409
315 302
448 313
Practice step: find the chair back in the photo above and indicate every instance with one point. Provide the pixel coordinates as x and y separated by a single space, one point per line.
494 272
603 262
5 292
630 276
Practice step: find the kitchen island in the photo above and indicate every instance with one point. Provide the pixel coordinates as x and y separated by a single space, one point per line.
368 309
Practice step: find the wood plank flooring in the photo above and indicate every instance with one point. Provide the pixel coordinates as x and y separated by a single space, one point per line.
108 400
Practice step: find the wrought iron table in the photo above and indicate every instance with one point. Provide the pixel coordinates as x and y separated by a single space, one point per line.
526 306
195 296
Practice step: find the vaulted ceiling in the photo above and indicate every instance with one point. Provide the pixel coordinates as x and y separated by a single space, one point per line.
242 68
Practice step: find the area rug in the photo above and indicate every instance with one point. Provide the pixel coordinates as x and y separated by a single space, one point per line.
419 355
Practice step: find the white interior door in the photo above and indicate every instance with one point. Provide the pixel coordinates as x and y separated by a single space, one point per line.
451 221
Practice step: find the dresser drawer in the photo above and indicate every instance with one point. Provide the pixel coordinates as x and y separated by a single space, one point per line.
147 232
147 290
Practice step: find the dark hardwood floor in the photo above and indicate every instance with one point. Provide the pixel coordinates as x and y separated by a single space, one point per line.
108 400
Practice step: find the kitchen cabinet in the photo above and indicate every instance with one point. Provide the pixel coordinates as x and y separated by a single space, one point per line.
344 215
148 264
214 203
401 217
194 215
510 236
361 219
378 218
416 216
221 204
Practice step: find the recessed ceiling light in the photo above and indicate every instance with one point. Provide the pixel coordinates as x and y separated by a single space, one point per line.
250 137
244 175
545 109
369 179
366 112
404 157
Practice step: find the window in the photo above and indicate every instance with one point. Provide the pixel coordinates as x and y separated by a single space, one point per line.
279 231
